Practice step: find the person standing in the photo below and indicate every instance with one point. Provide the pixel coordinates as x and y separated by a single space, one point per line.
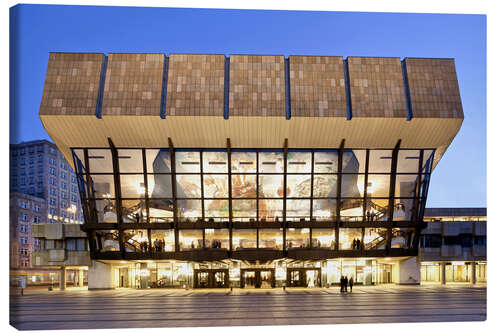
351 282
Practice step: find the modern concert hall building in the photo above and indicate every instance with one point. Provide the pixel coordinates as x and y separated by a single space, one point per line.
200 170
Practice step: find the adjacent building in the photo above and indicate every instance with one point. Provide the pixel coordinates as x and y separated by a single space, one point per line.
251 170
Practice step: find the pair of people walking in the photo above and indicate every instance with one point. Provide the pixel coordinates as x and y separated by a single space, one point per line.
344 282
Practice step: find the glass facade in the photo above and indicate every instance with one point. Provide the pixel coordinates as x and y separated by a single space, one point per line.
358 195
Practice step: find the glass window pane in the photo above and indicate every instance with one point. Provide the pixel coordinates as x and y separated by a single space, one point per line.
187 161
298 210
271 162
134 211
408 160
380 161
190 239
406 185
353 161
217 238
244 210
403 208
106 211
130 160
377 209
324 209
271 239
378 185
270 210
326 161
402 238
348 238
188 186
132 186
427 161
245 162
298 186
298 162
214 161
161 210
100 160
109 240
163 240
297 238
351 210
216 210
352 186
79 156
325 186
323 238
375 238
244 186
215 186
158 161
103 185
271 186
189 210
244 239
160 186
136 240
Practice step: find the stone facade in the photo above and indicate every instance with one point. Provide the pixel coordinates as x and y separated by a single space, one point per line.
71 84
133 84
257 85
195 85
377 87
317 87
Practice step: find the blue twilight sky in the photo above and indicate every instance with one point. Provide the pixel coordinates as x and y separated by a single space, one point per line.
458 181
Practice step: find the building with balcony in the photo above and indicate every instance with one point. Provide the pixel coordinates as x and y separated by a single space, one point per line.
251 170
453 246
63 247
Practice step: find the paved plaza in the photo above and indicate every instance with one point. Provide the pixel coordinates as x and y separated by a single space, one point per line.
126 308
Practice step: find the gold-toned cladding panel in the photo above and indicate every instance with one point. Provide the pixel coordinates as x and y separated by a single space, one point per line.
257 85
317 87
71 84
133 84
377 87
250 132
195 85
434 88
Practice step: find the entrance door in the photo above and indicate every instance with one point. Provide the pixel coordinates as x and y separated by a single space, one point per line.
249 279
304 277
257 278
266 279
313 277
203 280
219 279
294 278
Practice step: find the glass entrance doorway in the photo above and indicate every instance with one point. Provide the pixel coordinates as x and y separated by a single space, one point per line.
257 278
211 278
304 277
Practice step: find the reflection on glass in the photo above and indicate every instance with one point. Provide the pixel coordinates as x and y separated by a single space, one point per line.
350 238
298 162
351 210
244 210
161 210
163 240
353 161
160 186
158 160
352 186
132 186
188 186
325 161
100 161
136 240
190 239
134 211
108 240
189 210
324 209
216 209
298 186
378 185
408 160
427 161
271 162
402 238
298 210
406 185
215 186
325 186
375 238
217 238
103 186
270 210
380 161
297 238
271 186
403 209
323 238
106 211
130 160
214 161
271 239
187 161
244 186
244 162
244 239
